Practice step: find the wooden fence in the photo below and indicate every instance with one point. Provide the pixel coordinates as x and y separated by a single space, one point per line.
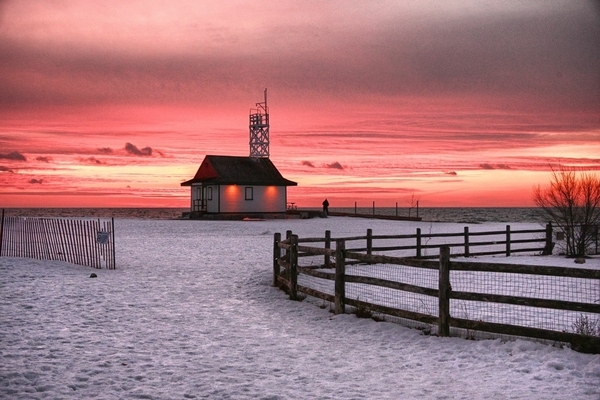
521 300
502 241
78 241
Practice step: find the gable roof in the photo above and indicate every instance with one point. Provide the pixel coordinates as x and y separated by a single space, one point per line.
231 170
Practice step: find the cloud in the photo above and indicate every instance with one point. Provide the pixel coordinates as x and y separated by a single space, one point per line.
15 156
430 49
335 165
91 160
133 150
36 181
308 164
497 166
106 150
451 173
44 159
6 169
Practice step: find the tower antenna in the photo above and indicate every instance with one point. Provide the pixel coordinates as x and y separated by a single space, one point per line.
259 130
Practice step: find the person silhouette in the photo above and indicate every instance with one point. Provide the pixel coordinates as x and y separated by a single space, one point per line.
325 206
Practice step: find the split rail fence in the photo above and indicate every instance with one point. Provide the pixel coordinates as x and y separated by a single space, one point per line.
442 296
79 241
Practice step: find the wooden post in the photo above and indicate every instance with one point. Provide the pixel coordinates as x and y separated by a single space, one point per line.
418 242
114 255
355 208
507 240
467 250
327 259
1 231
340 270
549 247
444 289
294 267
369 241
276 256
396 209
288 238
373 208
417 208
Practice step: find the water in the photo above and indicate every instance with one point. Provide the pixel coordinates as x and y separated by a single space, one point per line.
469 215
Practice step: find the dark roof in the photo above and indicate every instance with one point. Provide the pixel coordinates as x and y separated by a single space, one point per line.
230 170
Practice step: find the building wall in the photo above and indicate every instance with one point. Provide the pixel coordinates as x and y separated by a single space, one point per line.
264 199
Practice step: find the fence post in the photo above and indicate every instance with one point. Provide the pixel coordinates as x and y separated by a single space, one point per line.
294 267
444 289
1 231
354 208
288 238
114 253
369 241
373 208
327 260
276 256
340 270
418 242
396 209
507 240
467 250
549 246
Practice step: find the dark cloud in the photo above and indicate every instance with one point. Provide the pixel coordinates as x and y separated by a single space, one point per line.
133 150
497 166
6 169
335 165
15 156
91 160
549 52
451 173
44 159
308 164
36 181
105 150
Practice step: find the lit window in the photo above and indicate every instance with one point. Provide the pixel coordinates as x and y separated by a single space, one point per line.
249 193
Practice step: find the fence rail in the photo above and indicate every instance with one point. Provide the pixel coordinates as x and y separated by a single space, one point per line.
78 241
535 301
504 242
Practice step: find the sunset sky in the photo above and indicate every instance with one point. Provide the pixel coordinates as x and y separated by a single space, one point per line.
452 103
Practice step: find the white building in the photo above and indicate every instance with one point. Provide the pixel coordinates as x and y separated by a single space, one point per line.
238 187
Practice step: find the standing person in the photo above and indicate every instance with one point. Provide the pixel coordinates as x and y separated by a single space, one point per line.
326 207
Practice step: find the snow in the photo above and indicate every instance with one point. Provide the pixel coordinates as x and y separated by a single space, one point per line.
190 313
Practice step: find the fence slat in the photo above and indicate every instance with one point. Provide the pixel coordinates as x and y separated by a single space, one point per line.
68 240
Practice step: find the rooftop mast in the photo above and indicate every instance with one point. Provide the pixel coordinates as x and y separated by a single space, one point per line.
259 130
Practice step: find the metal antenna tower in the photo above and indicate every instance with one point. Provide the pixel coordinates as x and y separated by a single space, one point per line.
259 130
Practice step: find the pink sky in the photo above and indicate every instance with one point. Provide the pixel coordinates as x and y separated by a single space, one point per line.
455 103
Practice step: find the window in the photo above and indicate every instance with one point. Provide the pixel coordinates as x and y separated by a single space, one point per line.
209 193
249 193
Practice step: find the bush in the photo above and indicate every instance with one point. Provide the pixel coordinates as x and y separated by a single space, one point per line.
586 326
572 201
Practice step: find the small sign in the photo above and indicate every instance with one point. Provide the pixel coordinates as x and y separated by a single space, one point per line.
102 237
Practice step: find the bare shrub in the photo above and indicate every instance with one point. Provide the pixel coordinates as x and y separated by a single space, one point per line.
572 201
586 326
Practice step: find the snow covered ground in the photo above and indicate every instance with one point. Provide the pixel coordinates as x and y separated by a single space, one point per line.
190 313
